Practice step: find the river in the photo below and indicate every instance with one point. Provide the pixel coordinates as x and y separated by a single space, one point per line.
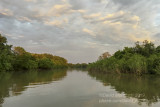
78 88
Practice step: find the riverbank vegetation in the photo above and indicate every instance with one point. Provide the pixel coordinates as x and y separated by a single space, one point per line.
13 59
78 65
143 58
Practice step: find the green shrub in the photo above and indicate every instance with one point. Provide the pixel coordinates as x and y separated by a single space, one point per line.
25 62
153 64
137 64
45 63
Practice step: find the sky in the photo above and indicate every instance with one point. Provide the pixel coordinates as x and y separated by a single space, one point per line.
79 30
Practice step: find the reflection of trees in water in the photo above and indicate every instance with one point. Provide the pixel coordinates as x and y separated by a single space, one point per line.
145 88
14 83
4 85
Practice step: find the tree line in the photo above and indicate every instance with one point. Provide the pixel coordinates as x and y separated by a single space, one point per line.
78 65
143 58
16 58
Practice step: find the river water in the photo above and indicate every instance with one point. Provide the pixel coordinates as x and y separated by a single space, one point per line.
78 88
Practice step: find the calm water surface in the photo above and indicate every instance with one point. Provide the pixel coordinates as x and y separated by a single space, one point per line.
77 88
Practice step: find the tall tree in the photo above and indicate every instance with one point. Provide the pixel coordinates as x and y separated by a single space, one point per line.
6 55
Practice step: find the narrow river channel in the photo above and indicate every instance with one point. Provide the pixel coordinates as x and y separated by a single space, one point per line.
77 88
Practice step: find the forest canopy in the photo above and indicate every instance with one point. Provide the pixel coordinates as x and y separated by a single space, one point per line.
18 58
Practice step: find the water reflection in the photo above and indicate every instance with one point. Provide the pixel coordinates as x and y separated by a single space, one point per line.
77 89
12 84
144 88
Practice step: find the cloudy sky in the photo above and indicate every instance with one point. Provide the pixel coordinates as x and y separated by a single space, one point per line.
79 30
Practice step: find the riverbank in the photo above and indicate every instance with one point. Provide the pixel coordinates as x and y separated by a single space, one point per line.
143 58
17 59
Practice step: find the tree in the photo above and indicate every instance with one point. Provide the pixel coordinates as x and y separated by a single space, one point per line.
19 59
24 60
3 39
6 55
58 62
104 56
19 50
146 48
142 58
158 49
149 48
45 63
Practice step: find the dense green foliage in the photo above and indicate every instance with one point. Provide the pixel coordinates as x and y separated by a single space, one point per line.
141 59
19 59
50 61
45 63
6 56
24 60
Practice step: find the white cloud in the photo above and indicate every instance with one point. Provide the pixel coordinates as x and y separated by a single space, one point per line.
93 15
6 12
70 27
58 23
90 32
